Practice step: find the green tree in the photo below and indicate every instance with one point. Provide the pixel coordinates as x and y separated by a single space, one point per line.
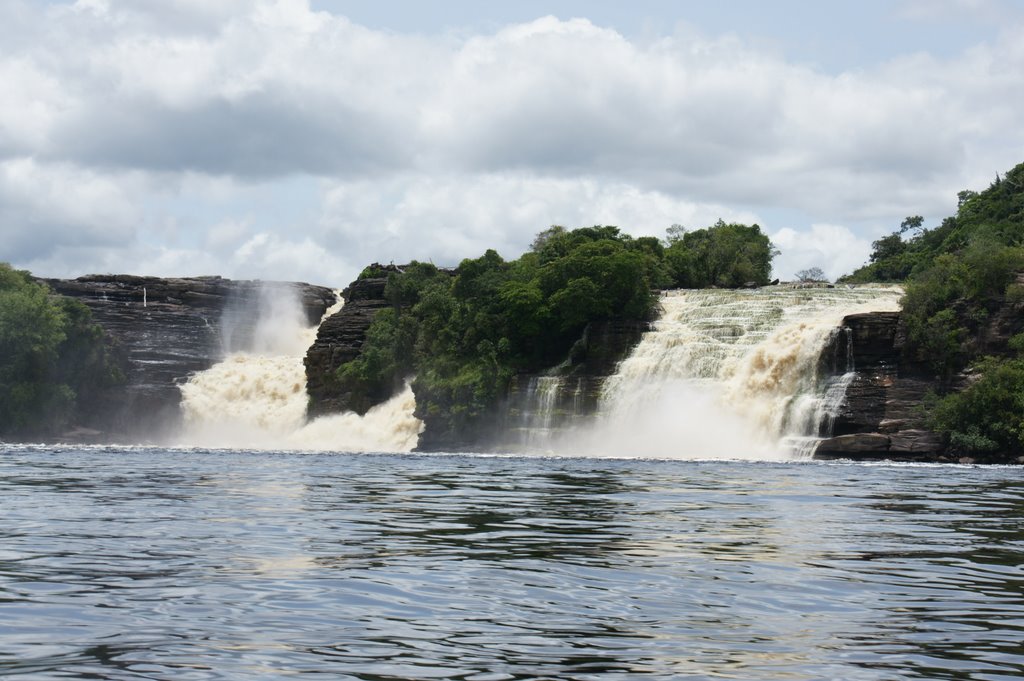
811 274
728 255
987 419
52 358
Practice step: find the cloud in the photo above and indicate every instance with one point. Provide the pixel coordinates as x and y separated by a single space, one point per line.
833 248
451 217
43 205
151 129
280 89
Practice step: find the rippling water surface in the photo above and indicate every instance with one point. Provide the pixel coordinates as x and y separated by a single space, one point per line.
165 564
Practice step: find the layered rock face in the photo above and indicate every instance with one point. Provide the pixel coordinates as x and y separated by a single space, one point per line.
880 416
339 341
168 329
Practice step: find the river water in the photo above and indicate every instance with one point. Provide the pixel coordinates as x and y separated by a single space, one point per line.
140 563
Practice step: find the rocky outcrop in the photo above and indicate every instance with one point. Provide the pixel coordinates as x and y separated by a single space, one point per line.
991 335
169 328
339 341
341 337
880 417
903 445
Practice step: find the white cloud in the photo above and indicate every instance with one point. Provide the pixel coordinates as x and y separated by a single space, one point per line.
268 256
227 234
43 205
439 147
450 217
281 89
833 248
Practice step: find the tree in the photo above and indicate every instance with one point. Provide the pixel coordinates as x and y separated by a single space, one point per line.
913 222
811 274
729 255
887 247
675 233
53 359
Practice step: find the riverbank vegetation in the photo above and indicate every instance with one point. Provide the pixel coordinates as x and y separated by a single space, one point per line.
964 303
466 333
53 358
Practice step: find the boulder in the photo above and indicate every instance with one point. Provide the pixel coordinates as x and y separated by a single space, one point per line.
854 446
916 442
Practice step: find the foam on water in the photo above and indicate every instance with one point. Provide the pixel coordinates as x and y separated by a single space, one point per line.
256 398
730 374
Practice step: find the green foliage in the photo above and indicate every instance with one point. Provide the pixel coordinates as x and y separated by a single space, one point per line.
724 255
52 357
465 335
996 214
963 277
956 276
373 271
986 419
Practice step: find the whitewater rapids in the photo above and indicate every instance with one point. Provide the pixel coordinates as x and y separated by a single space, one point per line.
256 398
726 374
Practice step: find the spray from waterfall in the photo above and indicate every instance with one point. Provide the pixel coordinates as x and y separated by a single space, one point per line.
728 374
256 397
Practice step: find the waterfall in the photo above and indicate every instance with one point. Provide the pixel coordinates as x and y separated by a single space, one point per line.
730 374
536 408
256 397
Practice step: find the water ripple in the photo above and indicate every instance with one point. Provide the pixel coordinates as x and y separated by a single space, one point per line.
137 563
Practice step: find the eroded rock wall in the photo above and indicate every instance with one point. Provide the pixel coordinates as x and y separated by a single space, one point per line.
881 416
339 341
167 329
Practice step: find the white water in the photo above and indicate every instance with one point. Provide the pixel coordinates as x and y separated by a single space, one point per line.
256 398
729 374
724 374
540 401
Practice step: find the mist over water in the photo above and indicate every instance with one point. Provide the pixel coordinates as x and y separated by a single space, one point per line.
724 374
256 397
728 374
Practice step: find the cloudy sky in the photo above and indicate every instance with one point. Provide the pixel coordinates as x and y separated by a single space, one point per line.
303 139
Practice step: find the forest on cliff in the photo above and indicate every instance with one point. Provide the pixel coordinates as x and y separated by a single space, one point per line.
464 334
53 358
964 311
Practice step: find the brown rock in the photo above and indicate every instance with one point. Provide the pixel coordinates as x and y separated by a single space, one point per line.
854 446
916 442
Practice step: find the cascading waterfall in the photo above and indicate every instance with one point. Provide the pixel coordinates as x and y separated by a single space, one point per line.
723 374
538 413
256 397
730 374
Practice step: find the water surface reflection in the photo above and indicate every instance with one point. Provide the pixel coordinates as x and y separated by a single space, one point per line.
161 564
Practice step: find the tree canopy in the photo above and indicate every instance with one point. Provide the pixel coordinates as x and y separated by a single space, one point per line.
464 335
52 357
956 276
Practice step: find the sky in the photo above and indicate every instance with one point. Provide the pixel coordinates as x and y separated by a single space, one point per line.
304 139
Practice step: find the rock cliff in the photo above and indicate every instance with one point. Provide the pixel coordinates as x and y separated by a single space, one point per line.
339 341
573 392
880 417
341 337
166 330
